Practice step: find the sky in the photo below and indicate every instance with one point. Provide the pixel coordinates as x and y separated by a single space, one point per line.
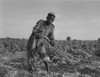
79 19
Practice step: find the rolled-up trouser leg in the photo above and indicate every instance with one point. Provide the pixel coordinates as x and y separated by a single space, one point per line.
30 45
31 66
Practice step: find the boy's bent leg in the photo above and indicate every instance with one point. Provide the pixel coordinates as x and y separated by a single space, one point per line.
47 66
45 58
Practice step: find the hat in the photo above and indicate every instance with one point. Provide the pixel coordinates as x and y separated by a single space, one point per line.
51 13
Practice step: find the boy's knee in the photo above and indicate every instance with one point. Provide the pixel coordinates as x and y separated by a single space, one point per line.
46 58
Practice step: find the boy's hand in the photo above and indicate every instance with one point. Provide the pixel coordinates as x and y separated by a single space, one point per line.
52 43
38 36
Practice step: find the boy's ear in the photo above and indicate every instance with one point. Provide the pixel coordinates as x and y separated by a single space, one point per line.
46 17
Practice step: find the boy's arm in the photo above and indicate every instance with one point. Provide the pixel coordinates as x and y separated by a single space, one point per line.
51 35
36 28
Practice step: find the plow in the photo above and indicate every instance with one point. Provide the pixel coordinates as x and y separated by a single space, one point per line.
63 55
